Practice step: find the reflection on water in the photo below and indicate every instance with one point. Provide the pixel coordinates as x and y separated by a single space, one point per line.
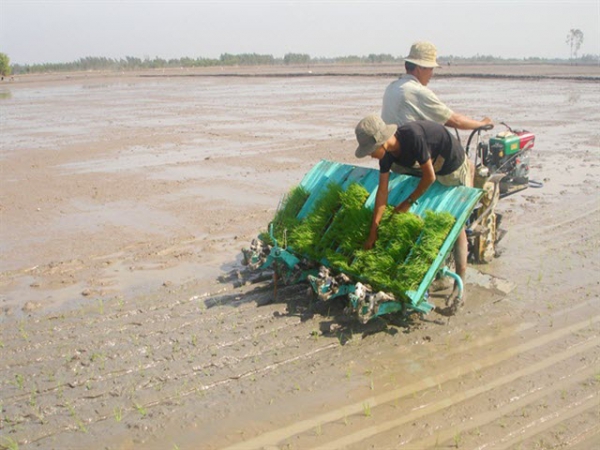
4 95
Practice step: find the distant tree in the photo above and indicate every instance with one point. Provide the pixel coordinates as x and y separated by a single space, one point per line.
4 65
589 58
296 58
380 58
574 41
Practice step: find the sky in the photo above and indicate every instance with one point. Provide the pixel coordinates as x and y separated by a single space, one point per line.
53 31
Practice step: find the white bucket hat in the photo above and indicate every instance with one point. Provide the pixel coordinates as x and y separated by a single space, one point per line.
423 54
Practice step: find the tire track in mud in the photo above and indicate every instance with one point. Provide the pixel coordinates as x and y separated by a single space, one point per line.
516 405
558 231
157 384
527 433
331 419
388 430
584 211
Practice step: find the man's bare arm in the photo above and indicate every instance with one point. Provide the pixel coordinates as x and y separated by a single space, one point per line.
461 122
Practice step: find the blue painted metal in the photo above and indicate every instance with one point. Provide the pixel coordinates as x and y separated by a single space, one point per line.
458 201
445 272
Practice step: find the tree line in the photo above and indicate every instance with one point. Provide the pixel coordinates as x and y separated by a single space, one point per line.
254 59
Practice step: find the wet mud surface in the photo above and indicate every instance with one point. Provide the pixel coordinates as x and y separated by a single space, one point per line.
128 322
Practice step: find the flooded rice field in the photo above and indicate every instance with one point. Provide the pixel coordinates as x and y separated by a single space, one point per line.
126 320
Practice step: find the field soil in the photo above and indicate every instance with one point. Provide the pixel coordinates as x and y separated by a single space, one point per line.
127 320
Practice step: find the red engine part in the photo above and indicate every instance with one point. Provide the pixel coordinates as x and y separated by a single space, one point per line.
526 139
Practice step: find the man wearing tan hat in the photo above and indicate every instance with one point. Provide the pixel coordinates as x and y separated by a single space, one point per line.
408 98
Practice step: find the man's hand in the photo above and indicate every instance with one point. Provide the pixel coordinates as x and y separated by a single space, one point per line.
370 242
487 121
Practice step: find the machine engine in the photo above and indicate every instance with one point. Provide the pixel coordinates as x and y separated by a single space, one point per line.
508 153
502 169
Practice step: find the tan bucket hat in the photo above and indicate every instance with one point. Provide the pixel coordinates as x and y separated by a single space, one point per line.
371 133
423 54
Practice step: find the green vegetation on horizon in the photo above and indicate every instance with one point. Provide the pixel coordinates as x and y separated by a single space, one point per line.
254 59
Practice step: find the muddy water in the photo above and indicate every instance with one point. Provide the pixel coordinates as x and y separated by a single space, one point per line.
123 202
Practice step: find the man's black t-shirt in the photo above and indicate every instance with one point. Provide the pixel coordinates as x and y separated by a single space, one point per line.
423 140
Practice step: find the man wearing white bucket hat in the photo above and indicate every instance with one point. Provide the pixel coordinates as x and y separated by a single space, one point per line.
408 98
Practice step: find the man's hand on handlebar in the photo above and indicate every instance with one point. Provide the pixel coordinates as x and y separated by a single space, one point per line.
487 123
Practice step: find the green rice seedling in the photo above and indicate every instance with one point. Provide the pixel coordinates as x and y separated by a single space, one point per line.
9 443
80 425
398 232
375 266
367 409
457 439
305 238
19 381
33 398
71 409
435 230
338 225
22 330
118 413
141 409
285 219
396 237
349 228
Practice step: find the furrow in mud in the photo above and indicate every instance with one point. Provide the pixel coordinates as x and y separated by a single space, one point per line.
100 325
154 383
95 317
393 428
587 214
97 367
173 329
551 427
565 231
471 365
147 392
512 417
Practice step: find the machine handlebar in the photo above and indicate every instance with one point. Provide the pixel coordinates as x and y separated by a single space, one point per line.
478 130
